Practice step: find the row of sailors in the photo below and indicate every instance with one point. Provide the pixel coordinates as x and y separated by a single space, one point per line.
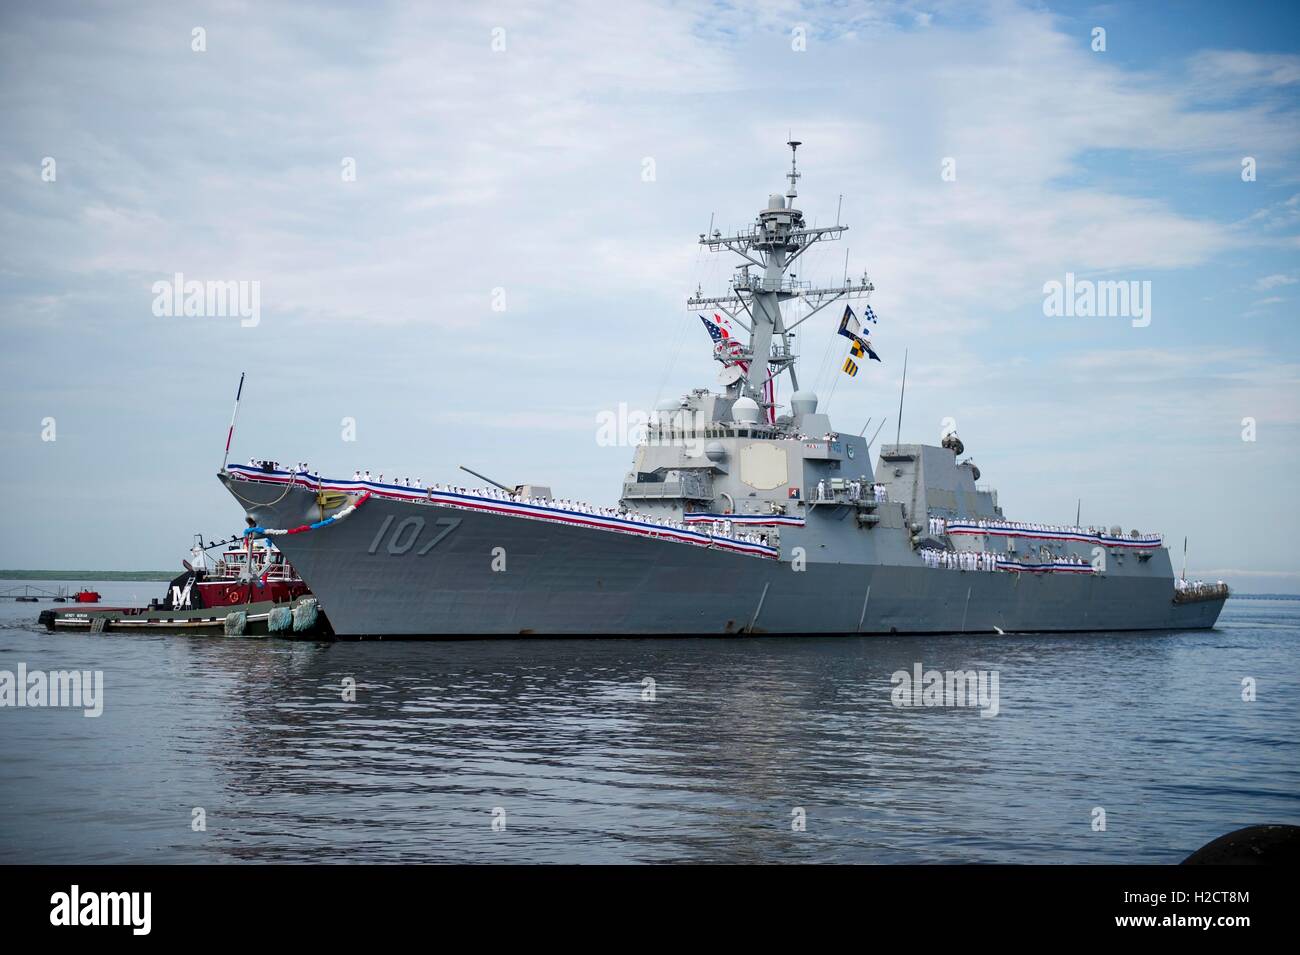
1198 586
939 527
398 482
564 503
959 560
1068 560
983 560
718 528
300 467
855 490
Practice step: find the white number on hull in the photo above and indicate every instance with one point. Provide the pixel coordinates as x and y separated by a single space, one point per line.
407 534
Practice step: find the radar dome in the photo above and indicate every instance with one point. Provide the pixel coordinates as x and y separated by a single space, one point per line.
666 409
745 410
714 451
803 402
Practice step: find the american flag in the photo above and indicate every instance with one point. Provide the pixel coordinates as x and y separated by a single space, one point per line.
716 333
724 344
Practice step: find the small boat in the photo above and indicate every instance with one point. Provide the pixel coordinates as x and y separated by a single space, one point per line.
245 570
84 596
247 588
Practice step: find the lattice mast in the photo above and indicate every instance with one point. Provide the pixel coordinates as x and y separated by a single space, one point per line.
772 245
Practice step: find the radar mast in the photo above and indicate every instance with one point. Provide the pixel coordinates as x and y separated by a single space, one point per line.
776 240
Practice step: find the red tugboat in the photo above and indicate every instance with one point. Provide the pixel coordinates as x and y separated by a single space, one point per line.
84 596
248 571
249 579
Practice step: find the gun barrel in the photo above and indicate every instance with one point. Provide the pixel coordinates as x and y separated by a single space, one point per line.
486 478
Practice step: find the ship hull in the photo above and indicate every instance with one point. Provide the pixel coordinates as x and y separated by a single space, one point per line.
411 568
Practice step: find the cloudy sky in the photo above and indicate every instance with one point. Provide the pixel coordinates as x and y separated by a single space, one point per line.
560 160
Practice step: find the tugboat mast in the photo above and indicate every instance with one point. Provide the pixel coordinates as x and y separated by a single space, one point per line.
777 239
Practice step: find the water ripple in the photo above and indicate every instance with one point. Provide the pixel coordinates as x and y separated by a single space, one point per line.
741 737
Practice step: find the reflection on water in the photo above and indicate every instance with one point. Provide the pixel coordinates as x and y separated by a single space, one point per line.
740 732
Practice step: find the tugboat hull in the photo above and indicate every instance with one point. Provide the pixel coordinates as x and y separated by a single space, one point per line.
257 619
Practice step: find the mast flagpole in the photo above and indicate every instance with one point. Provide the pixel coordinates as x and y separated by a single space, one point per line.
901 391
877 433
233 415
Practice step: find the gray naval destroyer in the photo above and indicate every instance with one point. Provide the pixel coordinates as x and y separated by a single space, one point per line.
735 518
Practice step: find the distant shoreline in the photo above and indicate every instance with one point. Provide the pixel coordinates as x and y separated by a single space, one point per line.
83 575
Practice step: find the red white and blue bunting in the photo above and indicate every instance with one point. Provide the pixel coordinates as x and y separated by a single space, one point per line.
1017 567
343 514
505 506
747 520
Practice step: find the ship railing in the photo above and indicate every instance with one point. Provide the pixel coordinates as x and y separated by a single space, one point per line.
693 490
844 496
699 487
235 568
765 536
1139 537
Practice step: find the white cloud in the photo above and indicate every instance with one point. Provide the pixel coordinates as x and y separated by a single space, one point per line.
1234 71
1275 280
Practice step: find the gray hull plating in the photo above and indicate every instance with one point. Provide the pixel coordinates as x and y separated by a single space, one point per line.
558 579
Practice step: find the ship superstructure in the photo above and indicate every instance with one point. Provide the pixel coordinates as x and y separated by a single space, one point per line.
739 515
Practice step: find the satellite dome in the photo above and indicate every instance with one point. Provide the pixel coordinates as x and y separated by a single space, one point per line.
714 451
666 411
745 410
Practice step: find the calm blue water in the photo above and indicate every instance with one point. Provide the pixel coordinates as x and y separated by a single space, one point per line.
1152 728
